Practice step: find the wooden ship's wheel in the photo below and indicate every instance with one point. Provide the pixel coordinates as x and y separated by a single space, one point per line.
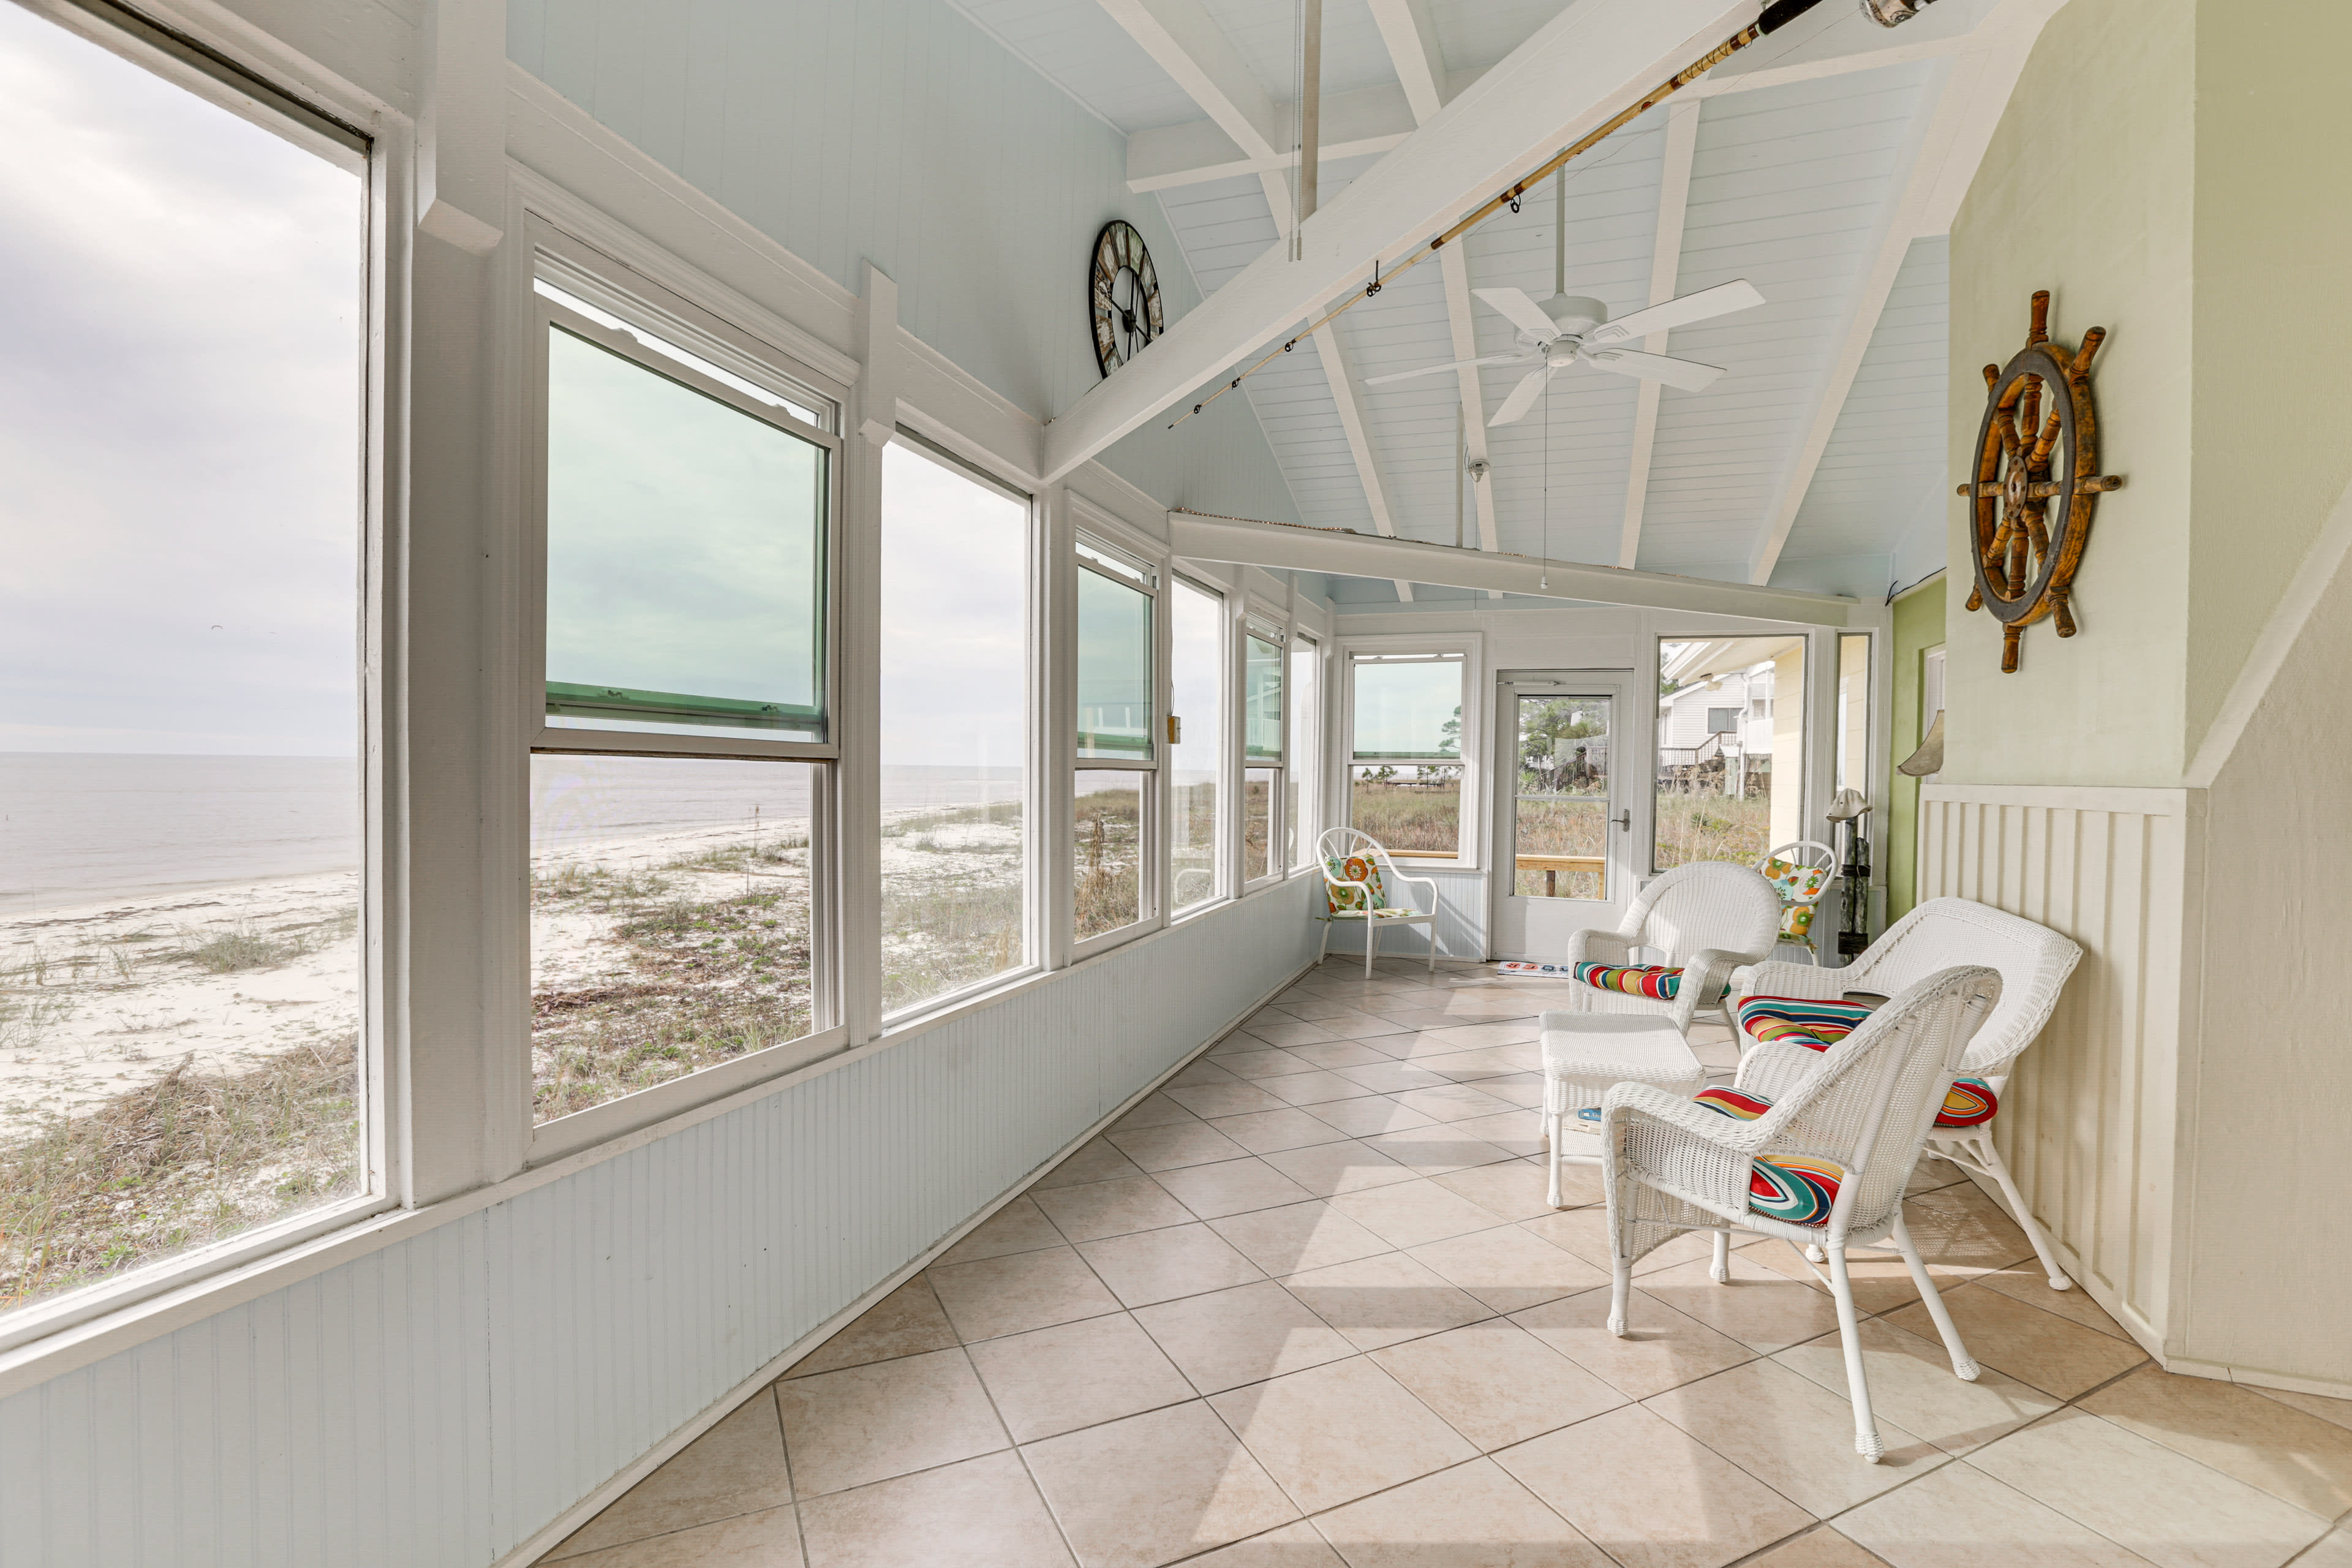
2037 484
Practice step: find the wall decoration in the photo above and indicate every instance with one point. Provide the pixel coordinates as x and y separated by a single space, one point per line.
2037 484
1123 294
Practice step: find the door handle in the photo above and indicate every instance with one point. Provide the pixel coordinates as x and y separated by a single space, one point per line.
1624 820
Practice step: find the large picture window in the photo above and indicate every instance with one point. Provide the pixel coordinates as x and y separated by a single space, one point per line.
184 1021
1731 748
1196 783
955 729
1404 784
1115 753
676 923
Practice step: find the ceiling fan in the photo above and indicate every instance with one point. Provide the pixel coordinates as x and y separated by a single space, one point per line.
1568 330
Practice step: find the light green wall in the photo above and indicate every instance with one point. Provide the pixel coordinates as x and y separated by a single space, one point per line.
1919 627
2085 191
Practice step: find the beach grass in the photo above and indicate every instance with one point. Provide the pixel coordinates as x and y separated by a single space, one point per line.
185 1159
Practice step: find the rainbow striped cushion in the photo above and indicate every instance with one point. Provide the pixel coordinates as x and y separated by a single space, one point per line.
1810 1022
1791 1188
1655 980
1970 1102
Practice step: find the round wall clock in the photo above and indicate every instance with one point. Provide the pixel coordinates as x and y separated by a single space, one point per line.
1123 293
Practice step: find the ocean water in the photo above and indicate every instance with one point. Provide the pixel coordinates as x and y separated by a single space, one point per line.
78 829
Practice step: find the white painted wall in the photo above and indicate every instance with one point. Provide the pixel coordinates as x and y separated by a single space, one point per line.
897 132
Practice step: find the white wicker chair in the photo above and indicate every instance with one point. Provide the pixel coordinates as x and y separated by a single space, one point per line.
1865 1105
2034 963
1709 917
1338 844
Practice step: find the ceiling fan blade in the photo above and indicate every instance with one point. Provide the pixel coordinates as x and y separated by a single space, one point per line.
1686 374
1719 301
1524 312
1523 397
1438 368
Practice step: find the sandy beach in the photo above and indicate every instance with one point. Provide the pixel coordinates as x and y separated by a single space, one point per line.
101 998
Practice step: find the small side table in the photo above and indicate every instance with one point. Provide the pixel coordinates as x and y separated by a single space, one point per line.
1584 1054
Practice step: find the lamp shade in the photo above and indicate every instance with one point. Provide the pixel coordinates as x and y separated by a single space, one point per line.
1929 757
1847 804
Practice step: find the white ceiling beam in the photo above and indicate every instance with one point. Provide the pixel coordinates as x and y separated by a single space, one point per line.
1587 63
1359 439
1665 274
1366 120
1280 547
1375 119
1946 143
1411 43
1185 41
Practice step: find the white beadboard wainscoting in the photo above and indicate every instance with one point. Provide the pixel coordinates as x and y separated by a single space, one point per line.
444 1400
2090 1120
1461 920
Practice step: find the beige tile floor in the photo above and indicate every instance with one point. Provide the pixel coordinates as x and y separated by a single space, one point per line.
1307 1307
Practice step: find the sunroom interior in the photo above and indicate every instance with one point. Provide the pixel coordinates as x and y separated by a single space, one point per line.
838 783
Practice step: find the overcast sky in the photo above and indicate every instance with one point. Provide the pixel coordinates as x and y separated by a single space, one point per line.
179 417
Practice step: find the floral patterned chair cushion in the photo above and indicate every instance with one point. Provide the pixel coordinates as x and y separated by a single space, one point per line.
1357 903
1799 888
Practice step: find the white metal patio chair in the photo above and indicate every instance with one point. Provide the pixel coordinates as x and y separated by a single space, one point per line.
2034 963
1813 1148
1357 879
1801 871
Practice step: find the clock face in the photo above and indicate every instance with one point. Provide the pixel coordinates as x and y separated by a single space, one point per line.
1123 292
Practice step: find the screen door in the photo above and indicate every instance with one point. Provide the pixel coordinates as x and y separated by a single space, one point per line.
1562 863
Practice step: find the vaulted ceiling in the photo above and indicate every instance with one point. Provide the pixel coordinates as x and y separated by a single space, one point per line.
1822 165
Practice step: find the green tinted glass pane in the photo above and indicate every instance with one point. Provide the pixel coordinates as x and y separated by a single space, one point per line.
1409 712
1261 698
1114 668
684 556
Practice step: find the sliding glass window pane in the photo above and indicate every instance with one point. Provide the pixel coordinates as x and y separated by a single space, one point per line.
955 729
1731 743
1109 859
684 557
1114 668
1261 793
1407 711
1562 804
1306 770
669 920
1261 699
1196 662
181 1004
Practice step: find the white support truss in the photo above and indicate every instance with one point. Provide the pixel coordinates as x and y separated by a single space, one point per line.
1666 272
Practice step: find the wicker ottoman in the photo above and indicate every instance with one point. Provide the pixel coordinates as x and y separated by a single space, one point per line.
1584 1052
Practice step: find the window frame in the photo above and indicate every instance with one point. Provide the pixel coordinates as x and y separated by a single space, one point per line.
1089 535
1470 851
1224 837
1033 937
577 269
331 120
1309 753
1275 631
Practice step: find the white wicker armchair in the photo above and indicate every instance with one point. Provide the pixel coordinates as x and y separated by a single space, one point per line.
2034 963
1709 917
1860 1112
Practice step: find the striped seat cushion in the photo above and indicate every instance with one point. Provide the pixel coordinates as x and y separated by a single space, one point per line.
1970 1102
1654 980
1795 1188
1812 1021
